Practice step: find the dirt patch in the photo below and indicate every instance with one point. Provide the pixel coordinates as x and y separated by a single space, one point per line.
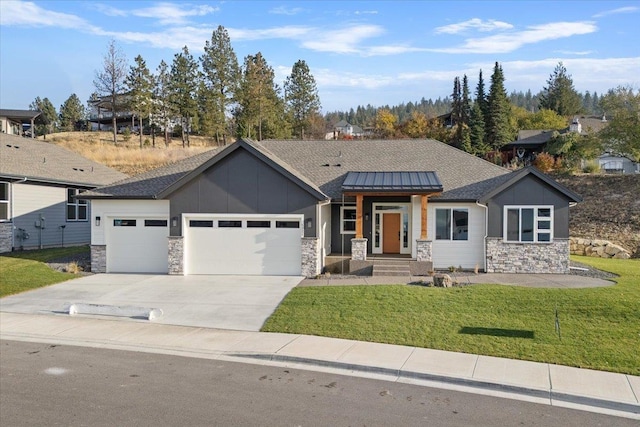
610 210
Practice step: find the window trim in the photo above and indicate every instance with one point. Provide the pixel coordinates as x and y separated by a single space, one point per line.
451 224
536 221
7 201
342 220
76 204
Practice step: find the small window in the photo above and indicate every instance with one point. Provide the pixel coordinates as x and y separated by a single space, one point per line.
124 222
4 201
155 222
77 209
287 224
348 220
258 224
200 223
528 224
229 224
452 224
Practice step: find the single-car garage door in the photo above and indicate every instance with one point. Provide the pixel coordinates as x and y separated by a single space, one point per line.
137 245
254 245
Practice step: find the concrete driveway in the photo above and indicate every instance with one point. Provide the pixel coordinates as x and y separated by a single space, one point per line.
224 302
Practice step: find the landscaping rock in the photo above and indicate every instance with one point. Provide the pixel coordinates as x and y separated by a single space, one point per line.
442 281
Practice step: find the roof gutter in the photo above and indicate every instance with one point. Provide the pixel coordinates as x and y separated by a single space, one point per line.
23 178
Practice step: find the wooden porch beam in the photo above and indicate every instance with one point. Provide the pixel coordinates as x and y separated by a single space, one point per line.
359 199
423 217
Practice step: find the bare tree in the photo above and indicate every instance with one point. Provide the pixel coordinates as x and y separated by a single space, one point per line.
110 80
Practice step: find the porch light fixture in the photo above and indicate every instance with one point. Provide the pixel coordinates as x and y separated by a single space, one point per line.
174 221
97 221
309 222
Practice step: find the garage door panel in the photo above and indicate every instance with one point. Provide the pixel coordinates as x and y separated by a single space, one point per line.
137 249
242 250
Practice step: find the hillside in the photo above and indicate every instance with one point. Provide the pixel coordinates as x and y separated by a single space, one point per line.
610 210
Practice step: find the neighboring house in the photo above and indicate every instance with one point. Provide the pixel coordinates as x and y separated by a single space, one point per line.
614 163
101 113
530 143
38 185
12 121
343 130
283 207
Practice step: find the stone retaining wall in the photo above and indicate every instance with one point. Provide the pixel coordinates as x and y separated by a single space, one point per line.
504 257
597 248
6 236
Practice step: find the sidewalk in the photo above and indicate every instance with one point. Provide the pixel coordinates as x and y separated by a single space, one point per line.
596 391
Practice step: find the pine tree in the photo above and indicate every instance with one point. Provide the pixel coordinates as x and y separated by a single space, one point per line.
559 95
72 113
465 115
456 113
301 96
260 111
481 97
497 127
140 84
162 99
46 122
221 77
476 131
109 81
183 87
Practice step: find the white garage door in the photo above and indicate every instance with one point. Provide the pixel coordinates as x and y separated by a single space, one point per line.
253 245
137 245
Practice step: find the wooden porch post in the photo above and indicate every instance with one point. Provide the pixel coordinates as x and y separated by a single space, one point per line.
359 199
423 217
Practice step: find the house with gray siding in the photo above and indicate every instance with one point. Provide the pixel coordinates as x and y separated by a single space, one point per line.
285 207
39 187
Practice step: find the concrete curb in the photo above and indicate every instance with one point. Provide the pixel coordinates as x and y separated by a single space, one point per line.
467 382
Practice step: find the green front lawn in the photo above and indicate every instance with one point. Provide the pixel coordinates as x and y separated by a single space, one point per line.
25 270
600 327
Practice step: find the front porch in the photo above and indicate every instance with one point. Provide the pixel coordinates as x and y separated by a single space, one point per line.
376 265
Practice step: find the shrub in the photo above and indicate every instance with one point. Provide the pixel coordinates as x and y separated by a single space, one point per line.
544 162
126 134
591 167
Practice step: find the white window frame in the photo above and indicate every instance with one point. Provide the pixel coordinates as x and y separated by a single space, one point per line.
6 202
342 220
537 219
76 204
452 225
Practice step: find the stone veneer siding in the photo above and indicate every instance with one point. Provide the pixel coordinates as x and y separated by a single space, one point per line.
98 258
503 257
6 237
359 249
310 256
424 250
176 255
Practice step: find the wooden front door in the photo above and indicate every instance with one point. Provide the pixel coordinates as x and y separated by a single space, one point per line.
391 233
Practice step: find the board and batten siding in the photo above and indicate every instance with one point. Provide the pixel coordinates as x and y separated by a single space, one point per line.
30 201
108 210
467 254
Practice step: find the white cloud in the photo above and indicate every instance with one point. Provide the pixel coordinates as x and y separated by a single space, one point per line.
172 38
474 24
628 9
109 10
282 10
571 52
346 40
509 42
28 14
285 32
173 14
366 12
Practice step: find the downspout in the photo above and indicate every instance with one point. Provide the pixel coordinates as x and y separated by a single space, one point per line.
486 234
319 233
11 191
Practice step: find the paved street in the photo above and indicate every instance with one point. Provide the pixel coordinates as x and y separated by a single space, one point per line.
45 384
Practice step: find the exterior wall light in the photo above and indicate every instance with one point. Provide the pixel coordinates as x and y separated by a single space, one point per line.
309 222
174 221
97 221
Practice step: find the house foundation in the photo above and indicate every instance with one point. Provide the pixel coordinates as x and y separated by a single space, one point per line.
98 258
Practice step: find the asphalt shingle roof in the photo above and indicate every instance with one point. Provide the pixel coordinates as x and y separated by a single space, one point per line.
42 161
325 164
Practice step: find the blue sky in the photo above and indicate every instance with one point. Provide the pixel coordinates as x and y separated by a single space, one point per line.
370 52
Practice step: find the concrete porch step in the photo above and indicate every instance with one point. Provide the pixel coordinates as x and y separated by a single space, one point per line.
391 273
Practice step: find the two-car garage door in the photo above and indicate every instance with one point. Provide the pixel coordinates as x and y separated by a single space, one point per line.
253 245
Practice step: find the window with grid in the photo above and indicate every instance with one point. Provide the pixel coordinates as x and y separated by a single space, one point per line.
77 209
528 224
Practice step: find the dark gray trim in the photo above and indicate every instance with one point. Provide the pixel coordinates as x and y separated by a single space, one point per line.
517 176
419 182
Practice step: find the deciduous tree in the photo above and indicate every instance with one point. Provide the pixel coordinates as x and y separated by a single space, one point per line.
110 81
622 135
385 123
